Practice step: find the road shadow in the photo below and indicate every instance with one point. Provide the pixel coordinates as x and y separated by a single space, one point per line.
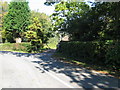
79 75
18 54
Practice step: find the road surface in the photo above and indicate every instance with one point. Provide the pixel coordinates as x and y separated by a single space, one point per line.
22 70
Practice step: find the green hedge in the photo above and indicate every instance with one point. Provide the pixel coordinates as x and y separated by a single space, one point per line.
35 46
103 53
113 55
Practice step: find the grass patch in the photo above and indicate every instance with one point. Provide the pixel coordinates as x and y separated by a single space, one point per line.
22 47
52 43
18 47
81 63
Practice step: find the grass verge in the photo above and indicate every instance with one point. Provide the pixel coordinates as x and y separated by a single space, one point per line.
94 67
17 47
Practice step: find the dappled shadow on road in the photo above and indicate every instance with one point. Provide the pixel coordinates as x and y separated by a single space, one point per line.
81 76
16 53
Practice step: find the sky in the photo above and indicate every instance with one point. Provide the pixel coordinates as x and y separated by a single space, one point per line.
39 6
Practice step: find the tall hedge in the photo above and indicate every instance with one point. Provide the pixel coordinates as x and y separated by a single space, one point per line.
103 53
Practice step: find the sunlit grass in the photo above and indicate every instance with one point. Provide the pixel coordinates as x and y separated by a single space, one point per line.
18 47
52 43
22 47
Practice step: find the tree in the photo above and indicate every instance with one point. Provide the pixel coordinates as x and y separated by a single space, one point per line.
34 27
34 35
46 25
106 20
17 20
3 12
69 17
82 23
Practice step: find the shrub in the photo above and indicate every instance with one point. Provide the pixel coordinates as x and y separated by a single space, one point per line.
82 50
101 53
35 45
113 55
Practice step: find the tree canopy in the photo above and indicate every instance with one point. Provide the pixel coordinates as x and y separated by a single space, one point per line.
17 19
3 11
46 25
85 23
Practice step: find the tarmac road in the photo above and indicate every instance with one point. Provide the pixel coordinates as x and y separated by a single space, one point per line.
22 70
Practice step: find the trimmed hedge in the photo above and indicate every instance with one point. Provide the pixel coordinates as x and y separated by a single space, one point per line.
103 53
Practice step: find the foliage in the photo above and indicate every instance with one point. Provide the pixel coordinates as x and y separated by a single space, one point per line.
92 52
76 49
113 55
108 19
17 20
35 45
3 36
52 43
46 25
34 35
34 29
26 46
84 23
70 17
39 31
30 35
3 11
94 31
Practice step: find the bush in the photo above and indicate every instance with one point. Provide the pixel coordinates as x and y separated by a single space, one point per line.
82 50
101 53
76 49
113 55
35 46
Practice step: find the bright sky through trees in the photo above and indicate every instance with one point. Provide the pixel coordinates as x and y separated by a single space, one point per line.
39 5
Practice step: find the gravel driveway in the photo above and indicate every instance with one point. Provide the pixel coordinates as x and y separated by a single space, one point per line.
22 70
